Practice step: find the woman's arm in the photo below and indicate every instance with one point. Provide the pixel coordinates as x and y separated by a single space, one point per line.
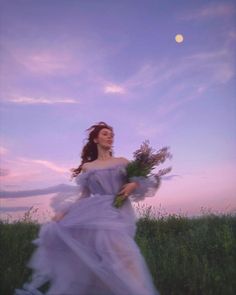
140 187
128 188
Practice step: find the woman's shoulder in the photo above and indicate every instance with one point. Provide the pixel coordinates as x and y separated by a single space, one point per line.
85 166
103 164
124 160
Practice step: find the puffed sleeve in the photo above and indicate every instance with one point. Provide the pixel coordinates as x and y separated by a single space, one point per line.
64 199
82 185
147 187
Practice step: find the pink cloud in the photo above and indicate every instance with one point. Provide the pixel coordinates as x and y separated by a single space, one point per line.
114 89
146 130
218 63
212 10
24 173
45 163
40 100
45 62
3 150
49 61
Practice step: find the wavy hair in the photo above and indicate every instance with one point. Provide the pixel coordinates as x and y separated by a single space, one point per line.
90 152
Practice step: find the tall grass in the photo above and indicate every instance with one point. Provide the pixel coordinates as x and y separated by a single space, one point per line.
192 256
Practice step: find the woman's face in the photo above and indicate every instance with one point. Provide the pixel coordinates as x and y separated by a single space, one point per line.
105 138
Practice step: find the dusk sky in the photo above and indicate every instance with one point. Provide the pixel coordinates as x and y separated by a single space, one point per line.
68 64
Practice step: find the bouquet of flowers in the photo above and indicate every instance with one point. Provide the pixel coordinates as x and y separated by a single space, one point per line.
145 160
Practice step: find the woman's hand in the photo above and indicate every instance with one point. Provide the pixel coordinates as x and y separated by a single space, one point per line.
128 188
124 193
58 216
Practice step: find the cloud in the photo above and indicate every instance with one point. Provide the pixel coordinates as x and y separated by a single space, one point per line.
62 188
40 100
47 62
114 89
45 163
3 151
25 173
217 64
210 11
148 76
4 172
146 130
29 68
14 209
232 35
187 77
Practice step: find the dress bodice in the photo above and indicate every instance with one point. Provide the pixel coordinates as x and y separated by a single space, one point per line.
107 180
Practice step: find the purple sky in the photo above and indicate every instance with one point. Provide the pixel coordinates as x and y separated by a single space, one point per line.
66 65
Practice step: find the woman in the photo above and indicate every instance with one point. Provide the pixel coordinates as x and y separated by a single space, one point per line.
88 248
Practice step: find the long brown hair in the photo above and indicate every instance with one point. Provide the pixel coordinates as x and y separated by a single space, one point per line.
90 152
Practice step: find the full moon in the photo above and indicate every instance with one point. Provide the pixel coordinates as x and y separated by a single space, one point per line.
179 38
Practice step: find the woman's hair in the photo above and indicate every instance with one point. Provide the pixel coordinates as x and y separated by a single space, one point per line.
90 152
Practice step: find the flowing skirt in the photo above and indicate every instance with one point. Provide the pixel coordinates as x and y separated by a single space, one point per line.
91 251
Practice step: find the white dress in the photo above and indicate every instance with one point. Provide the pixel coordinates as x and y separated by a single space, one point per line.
92 251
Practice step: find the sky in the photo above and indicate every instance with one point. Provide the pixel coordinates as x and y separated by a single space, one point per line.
66 65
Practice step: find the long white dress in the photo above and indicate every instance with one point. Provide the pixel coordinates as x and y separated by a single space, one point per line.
92 251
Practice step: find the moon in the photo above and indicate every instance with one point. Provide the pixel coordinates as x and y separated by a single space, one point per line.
179 38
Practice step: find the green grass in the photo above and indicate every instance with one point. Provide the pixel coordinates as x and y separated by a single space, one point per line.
190 256
185 256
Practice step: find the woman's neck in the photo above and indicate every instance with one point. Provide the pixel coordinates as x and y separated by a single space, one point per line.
104 157
103 154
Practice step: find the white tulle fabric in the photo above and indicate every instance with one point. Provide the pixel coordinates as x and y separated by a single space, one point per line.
91 251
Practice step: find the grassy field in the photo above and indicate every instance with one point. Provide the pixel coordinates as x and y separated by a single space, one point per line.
186 256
